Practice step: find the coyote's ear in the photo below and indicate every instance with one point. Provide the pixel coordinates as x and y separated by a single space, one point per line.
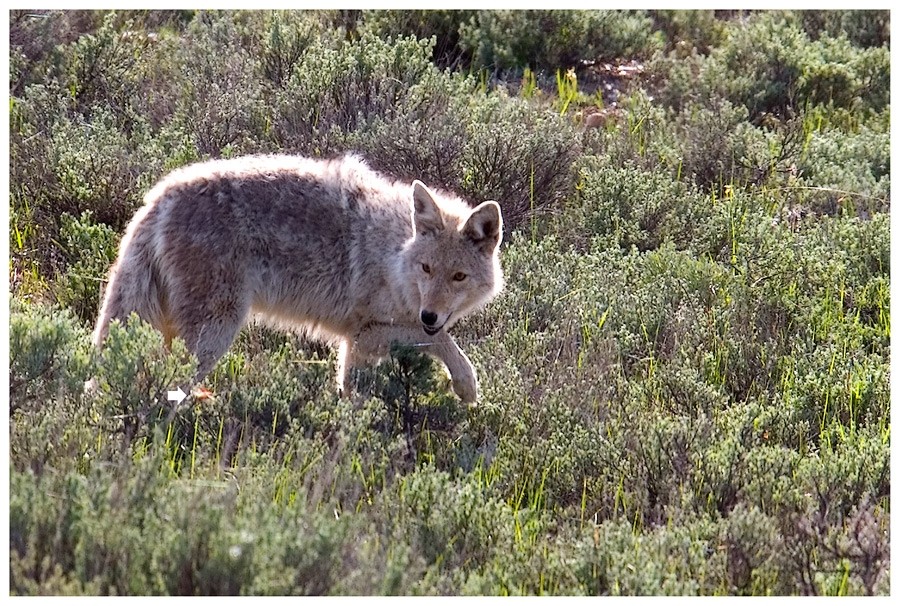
426 215
485 226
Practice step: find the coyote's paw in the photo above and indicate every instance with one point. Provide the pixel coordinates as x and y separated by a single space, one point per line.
91 387
466 388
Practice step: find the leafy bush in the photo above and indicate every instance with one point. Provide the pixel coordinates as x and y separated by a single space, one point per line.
494 148
866 188
548 40
771 67
45 356
865 28
718 148
218 98
92 249
34 36
339 90
629 206
441 25
520 157
689 30
134 374
771 64
287 37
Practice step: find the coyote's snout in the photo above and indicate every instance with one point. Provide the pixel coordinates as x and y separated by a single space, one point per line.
328 246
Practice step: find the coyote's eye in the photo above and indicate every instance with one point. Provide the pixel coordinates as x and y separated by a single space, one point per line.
459 276
426 268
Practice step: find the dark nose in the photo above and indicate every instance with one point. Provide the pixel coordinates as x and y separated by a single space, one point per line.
429 318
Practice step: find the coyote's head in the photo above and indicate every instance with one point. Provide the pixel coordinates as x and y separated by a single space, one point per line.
453 256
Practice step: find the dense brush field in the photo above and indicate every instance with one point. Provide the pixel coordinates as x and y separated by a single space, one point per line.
684 385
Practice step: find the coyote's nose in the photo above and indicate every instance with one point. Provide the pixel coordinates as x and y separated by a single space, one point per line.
429 318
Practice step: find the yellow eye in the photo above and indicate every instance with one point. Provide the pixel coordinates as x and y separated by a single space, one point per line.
426 268
459 276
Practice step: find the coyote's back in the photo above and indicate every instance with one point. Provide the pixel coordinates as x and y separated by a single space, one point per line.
328 246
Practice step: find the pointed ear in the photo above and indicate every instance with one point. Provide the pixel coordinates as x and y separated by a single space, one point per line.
426 215
485 226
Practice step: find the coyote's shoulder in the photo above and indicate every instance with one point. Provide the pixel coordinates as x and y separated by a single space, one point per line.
329 246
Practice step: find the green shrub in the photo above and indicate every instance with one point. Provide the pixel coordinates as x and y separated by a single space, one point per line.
34 36
134 374
679 560
628 206
840 74
771 65
491 148
689 30
427 136
48 354
91 249
56 174
519 157
865 28
547 40
218 98
337 90
287 35
102 67
864 189
50 424
719 149
441 25
768 64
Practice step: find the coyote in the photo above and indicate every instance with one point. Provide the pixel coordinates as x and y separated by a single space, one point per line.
327 246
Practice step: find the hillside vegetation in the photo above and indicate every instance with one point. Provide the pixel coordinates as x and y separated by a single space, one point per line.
684 386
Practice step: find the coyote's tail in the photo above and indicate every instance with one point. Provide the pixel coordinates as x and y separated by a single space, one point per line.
134 281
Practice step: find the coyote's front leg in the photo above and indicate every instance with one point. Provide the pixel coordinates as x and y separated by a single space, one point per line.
345 361
375 341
